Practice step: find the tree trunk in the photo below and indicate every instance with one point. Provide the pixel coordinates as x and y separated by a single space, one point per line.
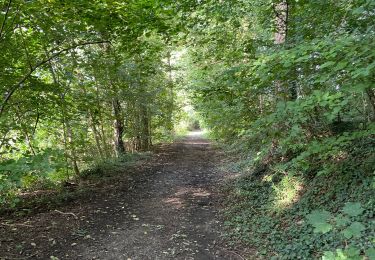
282 15
101 132
171 93
96 135
68 134
118 127
26 133
145 142
72 148
281 11
371 96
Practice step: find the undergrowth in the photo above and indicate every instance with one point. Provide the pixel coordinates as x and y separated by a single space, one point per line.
54 188
270 212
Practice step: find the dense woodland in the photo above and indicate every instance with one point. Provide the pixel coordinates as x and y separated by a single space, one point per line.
286 86
81 82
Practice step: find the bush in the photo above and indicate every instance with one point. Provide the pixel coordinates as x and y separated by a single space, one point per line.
28 172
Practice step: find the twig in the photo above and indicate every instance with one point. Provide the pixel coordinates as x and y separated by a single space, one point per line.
15 224
20 258
67 213
233 252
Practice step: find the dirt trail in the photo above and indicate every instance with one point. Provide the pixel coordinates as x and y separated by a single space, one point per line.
166 210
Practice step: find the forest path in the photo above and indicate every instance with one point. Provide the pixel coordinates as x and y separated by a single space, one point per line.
167 209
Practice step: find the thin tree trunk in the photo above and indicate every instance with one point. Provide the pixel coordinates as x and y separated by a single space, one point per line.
371 97
282 16
171 92
91 122
118 127
26 133
68 135
149 128
101 132
145 142
281 11
261 104
72 148
2 142
66 148
96 135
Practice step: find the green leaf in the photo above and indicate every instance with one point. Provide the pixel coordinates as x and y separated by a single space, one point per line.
340 254
327 64
370 253
341 65
322 227
353 209
354 230
359 10
329 256
318 216
341 221
353 253
318 219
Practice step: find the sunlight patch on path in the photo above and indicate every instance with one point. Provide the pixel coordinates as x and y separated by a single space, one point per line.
198 133
185 194
196 138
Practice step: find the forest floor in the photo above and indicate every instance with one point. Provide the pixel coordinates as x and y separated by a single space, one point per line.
163 208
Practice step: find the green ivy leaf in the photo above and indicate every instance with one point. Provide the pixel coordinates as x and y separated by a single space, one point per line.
353 209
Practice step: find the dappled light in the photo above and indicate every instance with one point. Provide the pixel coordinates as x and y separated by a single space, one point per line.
197 138
158 129
185 196
174 202
287 192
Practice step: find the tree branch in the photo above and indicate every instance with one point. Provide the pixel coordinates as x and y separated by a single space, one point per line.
36 121
10 27
39 64
5 18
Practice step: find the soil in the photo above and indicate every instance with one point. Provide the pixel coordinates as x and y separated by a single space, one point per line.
166 208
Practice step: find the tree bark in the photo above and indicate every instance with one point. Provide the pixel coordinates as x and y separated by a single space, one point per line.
118 127
72 148
281 11
101 133
96 135
282 16
145 142
371 96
